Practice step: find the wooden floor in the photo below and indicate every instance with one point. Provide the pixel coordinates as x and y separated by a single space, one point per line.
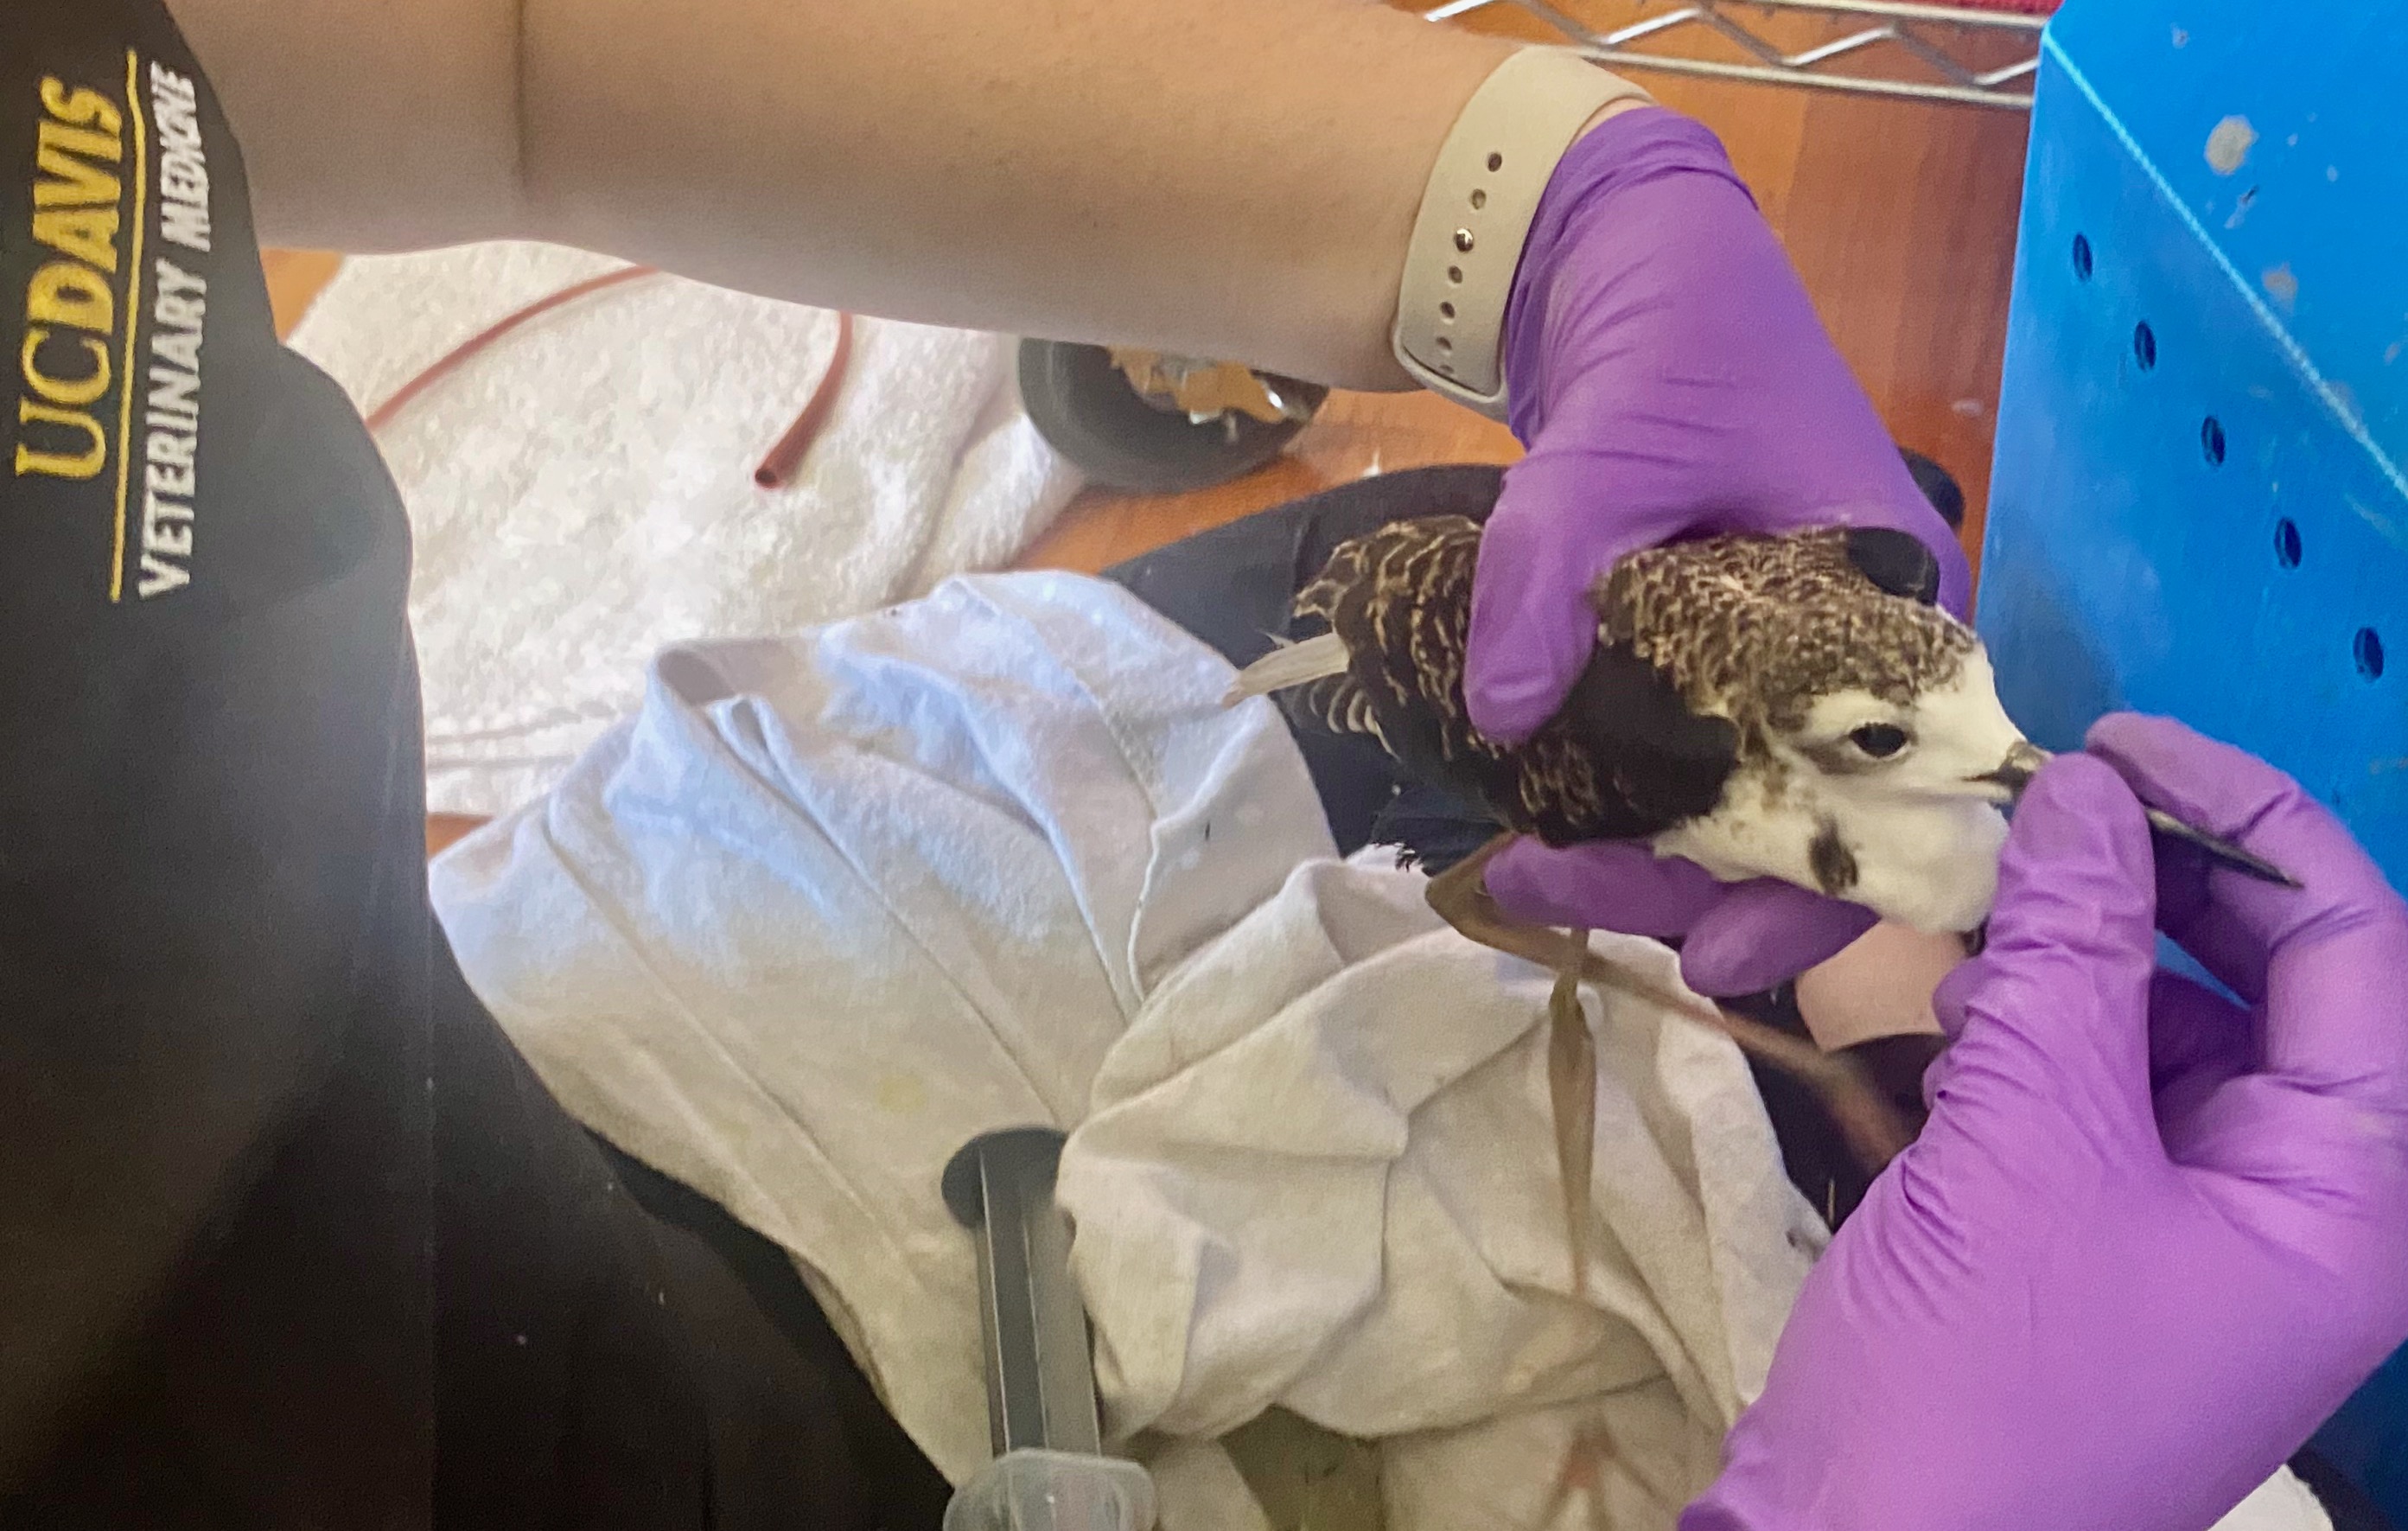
1900 217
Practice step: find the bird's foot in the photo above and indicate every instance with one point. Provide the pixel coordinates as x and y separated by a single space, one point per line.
1571 1086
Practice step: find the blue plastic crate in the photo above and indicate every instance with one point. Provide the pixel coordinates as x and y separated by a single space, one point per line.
2198 507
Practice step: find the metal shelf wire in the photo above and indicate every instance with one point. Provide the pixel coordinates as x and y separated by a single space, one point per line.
1931 35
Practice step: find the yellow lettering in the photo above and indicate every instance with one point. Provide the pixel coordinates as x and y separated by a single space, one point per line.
80 107
79 218
84 141
85 466
72 394
74 183
88 234
64 293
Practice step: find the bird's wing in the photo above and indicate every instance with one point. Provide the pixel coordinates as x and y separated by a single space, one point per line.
1654 762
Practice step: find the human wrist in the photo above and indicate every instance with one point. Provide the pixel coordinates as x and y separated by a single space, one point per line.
1489 178
1880 986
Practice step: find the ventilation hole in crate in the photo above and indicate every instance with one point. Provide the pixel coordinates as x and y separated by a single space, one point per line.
2368 647
2287 544
2145 345
2210 440
2081 258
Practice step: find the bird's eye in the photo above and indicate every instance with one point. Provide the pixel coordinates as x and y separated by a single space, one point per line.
1879 740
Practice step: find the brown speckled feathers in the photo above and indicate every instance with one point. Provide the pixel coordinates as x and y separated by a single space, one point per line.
1701 646
1401 598
1806 623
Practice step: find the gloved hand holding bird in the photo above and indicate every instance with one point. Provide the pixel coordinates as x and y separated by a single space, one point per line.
1795 706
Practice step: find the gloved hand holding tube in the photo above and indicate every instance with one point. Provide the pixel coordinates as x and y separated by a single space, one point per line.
2149 1239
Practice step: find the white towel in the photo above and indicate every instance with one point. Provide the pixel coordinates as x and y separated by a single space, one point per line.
829 906
581 493
1319 1174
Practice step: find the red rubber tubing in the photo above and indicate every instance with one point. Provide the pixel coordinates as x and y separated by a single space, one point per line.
776 470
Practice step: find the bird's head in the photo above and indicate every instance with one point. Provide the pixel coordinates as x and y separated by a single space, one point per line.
1873 752
1894 776
1863 750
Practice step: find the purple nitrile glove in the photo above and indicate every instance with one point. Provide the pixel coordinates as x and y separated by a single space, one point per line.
2148 1241
1669 378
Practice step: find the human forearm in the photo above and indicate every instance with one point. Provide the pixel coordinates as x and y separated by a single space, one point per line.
1238 180
1234 180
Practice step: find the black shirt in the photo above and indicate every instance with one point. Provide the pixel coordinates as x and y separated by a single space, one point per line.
289 1234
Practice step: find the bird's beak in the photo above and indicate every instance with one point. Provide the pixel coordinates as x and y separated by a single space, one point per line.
2023 762
2014 774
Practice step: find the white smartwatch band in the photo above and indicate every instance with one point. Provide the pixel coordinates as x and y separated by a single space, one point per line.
1475 217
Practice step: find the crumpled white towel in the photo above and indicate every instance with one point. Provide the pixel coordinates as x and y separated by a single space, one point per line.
581 493
830 905
1320 1174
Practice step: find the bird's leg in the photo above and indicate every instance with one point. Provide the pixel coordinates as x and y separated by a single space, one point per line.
1572 1082
1462 901
1875 1132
